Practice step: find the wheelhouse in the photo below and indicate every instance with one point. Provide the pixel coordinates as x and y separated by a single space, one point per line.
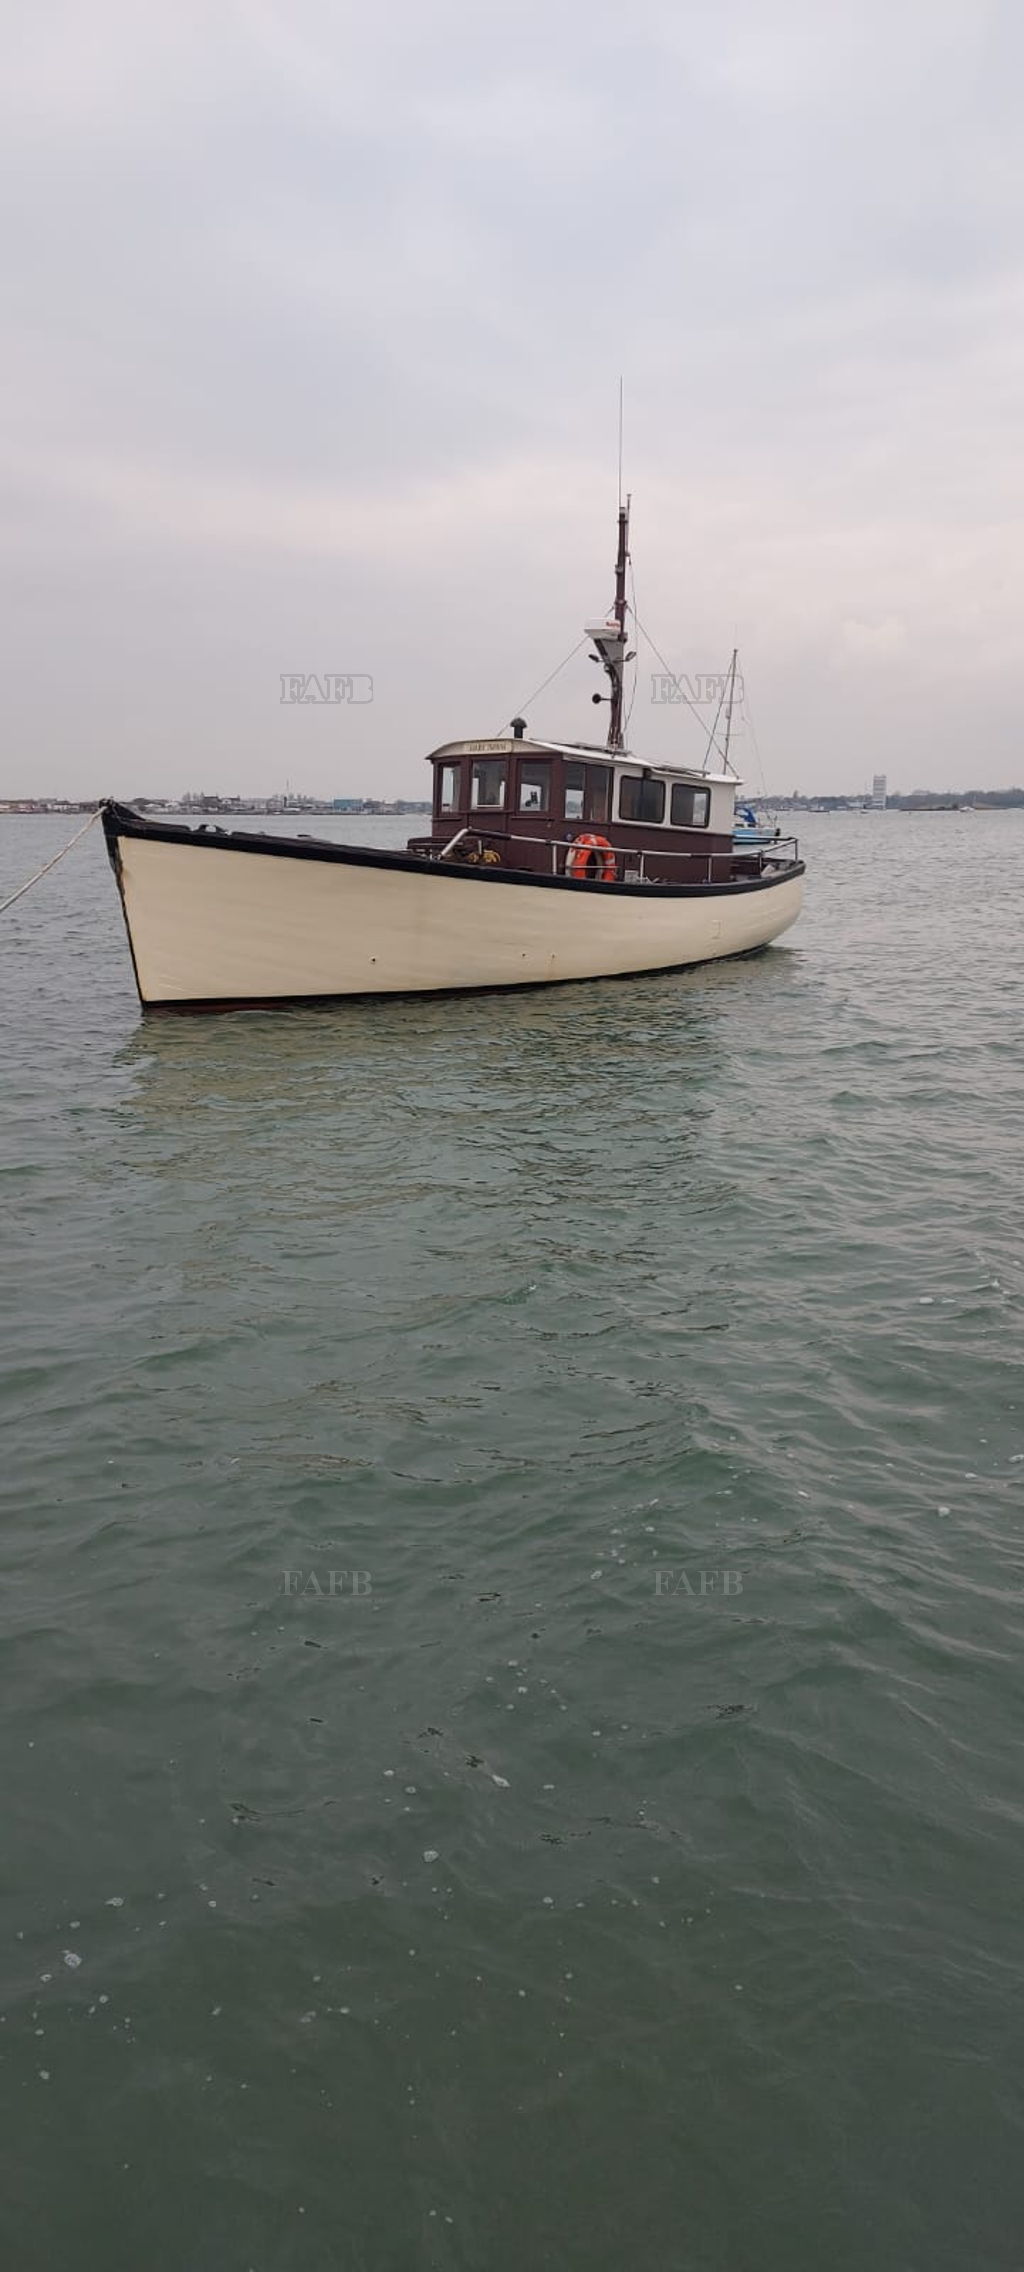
528 804
589 814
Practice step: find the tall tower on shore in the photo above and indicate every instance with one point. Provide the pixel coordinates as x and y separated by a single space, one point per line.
878 793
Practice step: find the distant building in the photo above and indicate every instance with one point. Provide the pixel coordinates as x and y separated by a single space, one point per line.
878 793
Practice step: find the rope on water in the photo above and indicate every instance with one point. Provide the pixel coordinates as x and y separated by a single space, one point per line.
40 872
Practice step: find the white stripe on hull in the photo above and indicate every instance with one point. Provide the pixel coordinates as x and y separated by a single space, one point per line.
208 925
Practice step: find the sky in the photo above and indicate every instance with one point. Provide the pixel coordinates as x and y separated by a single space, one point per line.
311 334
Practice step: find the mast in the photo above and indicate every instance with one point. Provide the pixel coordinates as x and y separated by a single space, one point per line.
729 703
615 721
610 637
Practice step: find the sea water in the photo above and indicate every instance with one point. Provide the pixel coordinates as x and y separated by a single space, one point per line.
512 1614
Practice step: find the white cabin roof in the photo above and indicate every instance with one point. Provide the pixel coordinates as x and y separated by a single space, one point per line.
596 752
628 758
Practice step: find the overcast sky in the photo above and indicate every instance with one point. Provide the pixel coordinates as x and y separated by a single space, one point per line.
312 323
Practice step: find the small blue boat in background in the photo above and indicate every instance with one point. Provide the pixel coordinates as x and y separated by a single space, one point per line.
749 832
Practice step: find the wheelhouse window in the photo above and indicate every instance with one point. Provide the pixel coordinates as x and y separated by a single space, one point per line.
691 808
487 793
640 799
534 785
599 793
588 792
449 790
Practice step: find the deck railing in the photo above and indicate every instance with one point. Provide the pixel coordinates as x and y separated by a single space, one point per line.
630 865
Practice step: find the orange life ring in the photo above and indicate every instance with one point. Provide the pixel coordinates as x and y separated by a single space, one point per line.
590 859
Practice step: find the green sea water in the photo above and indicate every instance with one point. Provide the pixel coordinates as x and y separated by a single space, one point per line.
511 1601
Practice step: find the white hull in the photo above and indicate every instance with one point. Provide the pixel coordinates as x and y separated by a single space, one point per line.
212 924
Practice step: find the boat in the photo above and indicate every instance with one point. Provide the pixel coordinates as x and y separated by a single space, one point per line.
546 861
749 831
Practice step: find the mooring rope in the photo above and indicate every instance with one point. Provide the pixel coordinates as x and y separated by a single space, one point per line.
40 872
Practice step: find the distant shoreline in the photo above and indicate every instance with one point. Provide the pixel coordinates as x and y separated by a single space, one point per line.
902 801
224 808
377 808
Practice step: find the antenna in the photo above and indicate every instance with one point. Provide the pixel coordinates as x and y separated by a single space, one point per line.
620 442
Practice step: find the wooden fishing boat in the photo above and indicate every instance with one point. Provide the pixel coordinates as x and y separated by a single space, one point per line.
545 861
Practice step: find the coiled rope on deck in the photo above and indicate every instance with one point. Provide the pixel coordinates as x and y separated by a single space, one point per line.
41 872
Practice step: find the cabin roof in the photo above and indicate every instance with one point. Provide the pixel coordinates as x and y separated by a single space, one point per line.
503 746
627 757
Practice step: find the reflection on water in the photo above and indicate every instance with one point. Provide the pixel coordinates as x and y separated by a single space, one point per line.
566 1035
